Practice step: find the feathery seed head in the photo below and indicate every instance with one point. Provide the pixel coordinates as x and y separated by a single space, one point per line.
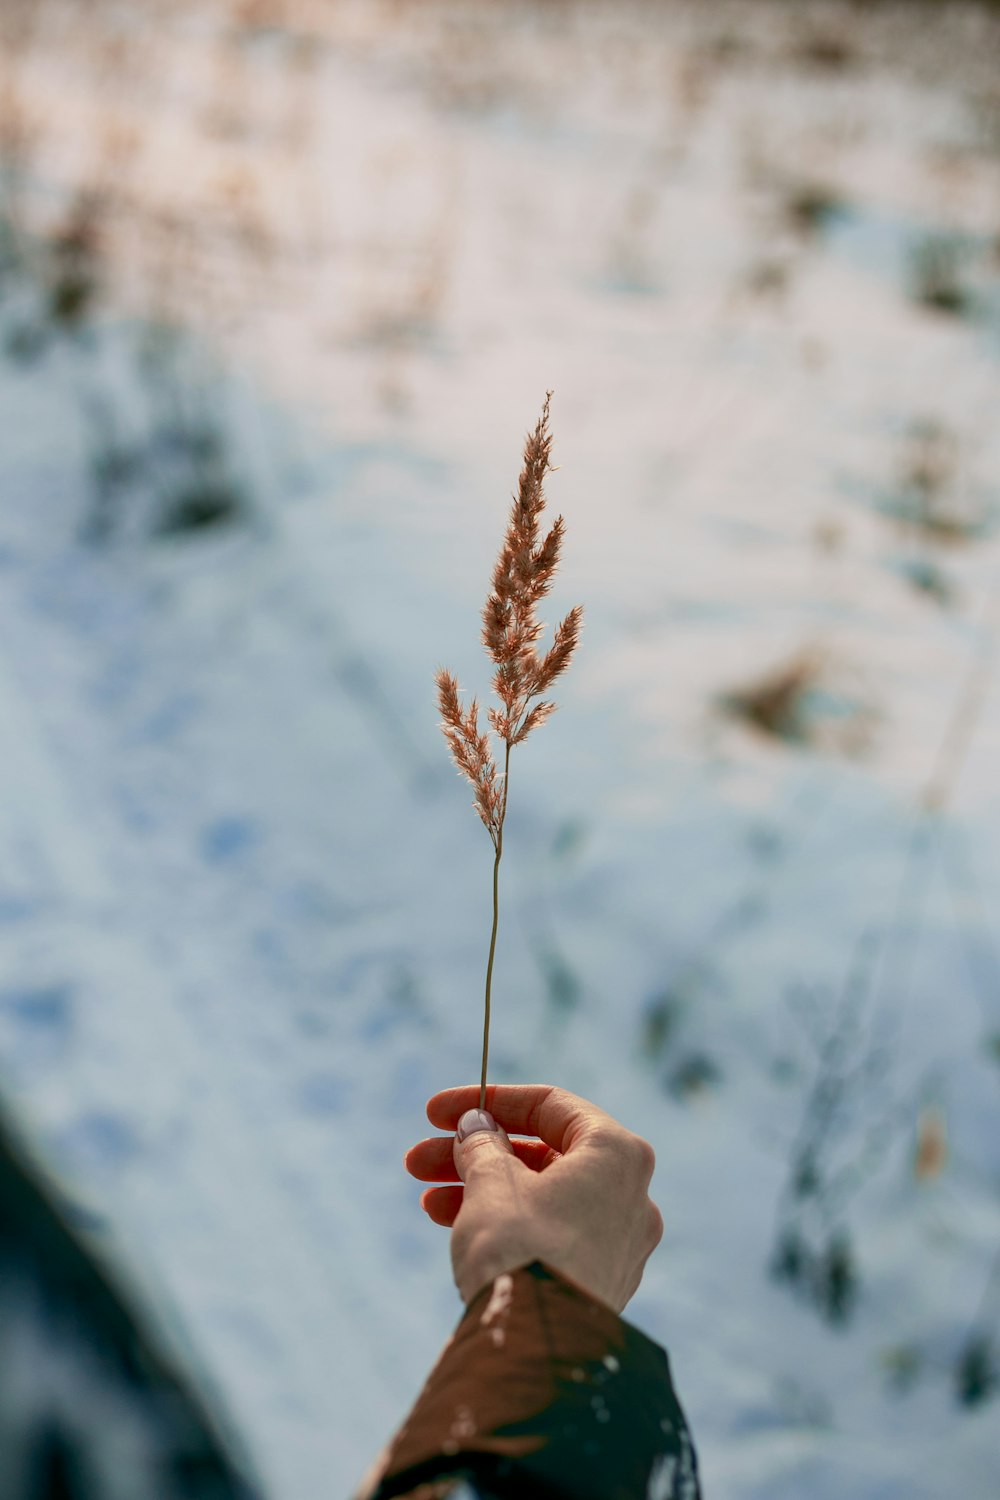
522 577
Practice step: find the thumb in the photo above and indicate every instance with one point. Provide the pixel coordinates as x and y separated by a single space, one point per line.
480 1144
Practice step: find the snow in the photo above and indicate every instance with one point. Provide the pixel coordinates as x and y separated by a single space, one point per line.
243 899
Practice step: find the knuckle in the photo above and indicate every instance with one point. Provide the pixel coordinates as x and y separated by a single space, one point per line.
480 1152
631 1153
474 1145
642 1155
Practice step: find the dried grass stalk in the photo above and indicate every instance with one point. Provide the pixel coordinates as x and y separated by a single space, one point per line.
522 577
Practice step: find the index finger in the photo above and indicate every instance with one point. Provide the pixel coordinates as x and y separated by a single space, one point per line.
557 1117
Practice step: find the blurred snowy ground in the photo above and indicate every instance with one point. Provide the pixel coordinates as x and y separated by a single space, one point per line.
283 285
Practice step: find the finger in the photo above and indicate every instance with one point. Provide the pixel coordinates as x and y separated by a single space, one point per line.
561 1119
481 1146
433 1160
442 1204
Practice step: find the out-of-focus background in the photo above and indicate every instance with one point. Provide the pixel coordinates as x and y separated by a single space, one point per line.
282 285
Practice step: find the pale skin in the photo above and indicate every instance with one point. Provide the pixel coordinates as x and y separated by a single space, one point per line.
574 1193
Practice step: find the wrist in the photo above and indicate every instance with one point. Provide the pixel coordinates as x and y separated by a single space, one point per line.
490 1254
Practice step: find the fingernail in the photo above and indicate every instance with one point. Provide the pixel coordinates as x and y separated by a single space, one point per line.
473 1120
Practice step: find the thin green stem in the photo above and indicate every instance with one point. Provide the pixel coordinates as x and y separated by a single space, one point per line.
493 934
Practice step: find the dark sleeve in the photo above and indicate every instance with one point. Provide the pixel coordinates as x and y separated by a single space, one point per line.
542 1393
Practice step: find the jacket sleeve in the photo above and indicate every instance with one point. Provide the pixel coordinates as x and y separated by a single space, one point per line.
543 1392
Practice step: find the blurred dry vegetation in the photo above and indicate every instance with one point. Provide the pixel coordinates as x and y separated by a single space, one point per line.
166 162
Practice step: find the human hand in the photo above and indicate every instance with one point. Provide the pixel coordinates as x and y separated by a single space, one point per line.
574 1195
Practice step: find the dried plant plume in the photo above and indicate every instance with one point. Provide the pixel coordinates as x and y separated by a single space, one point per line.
522 577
